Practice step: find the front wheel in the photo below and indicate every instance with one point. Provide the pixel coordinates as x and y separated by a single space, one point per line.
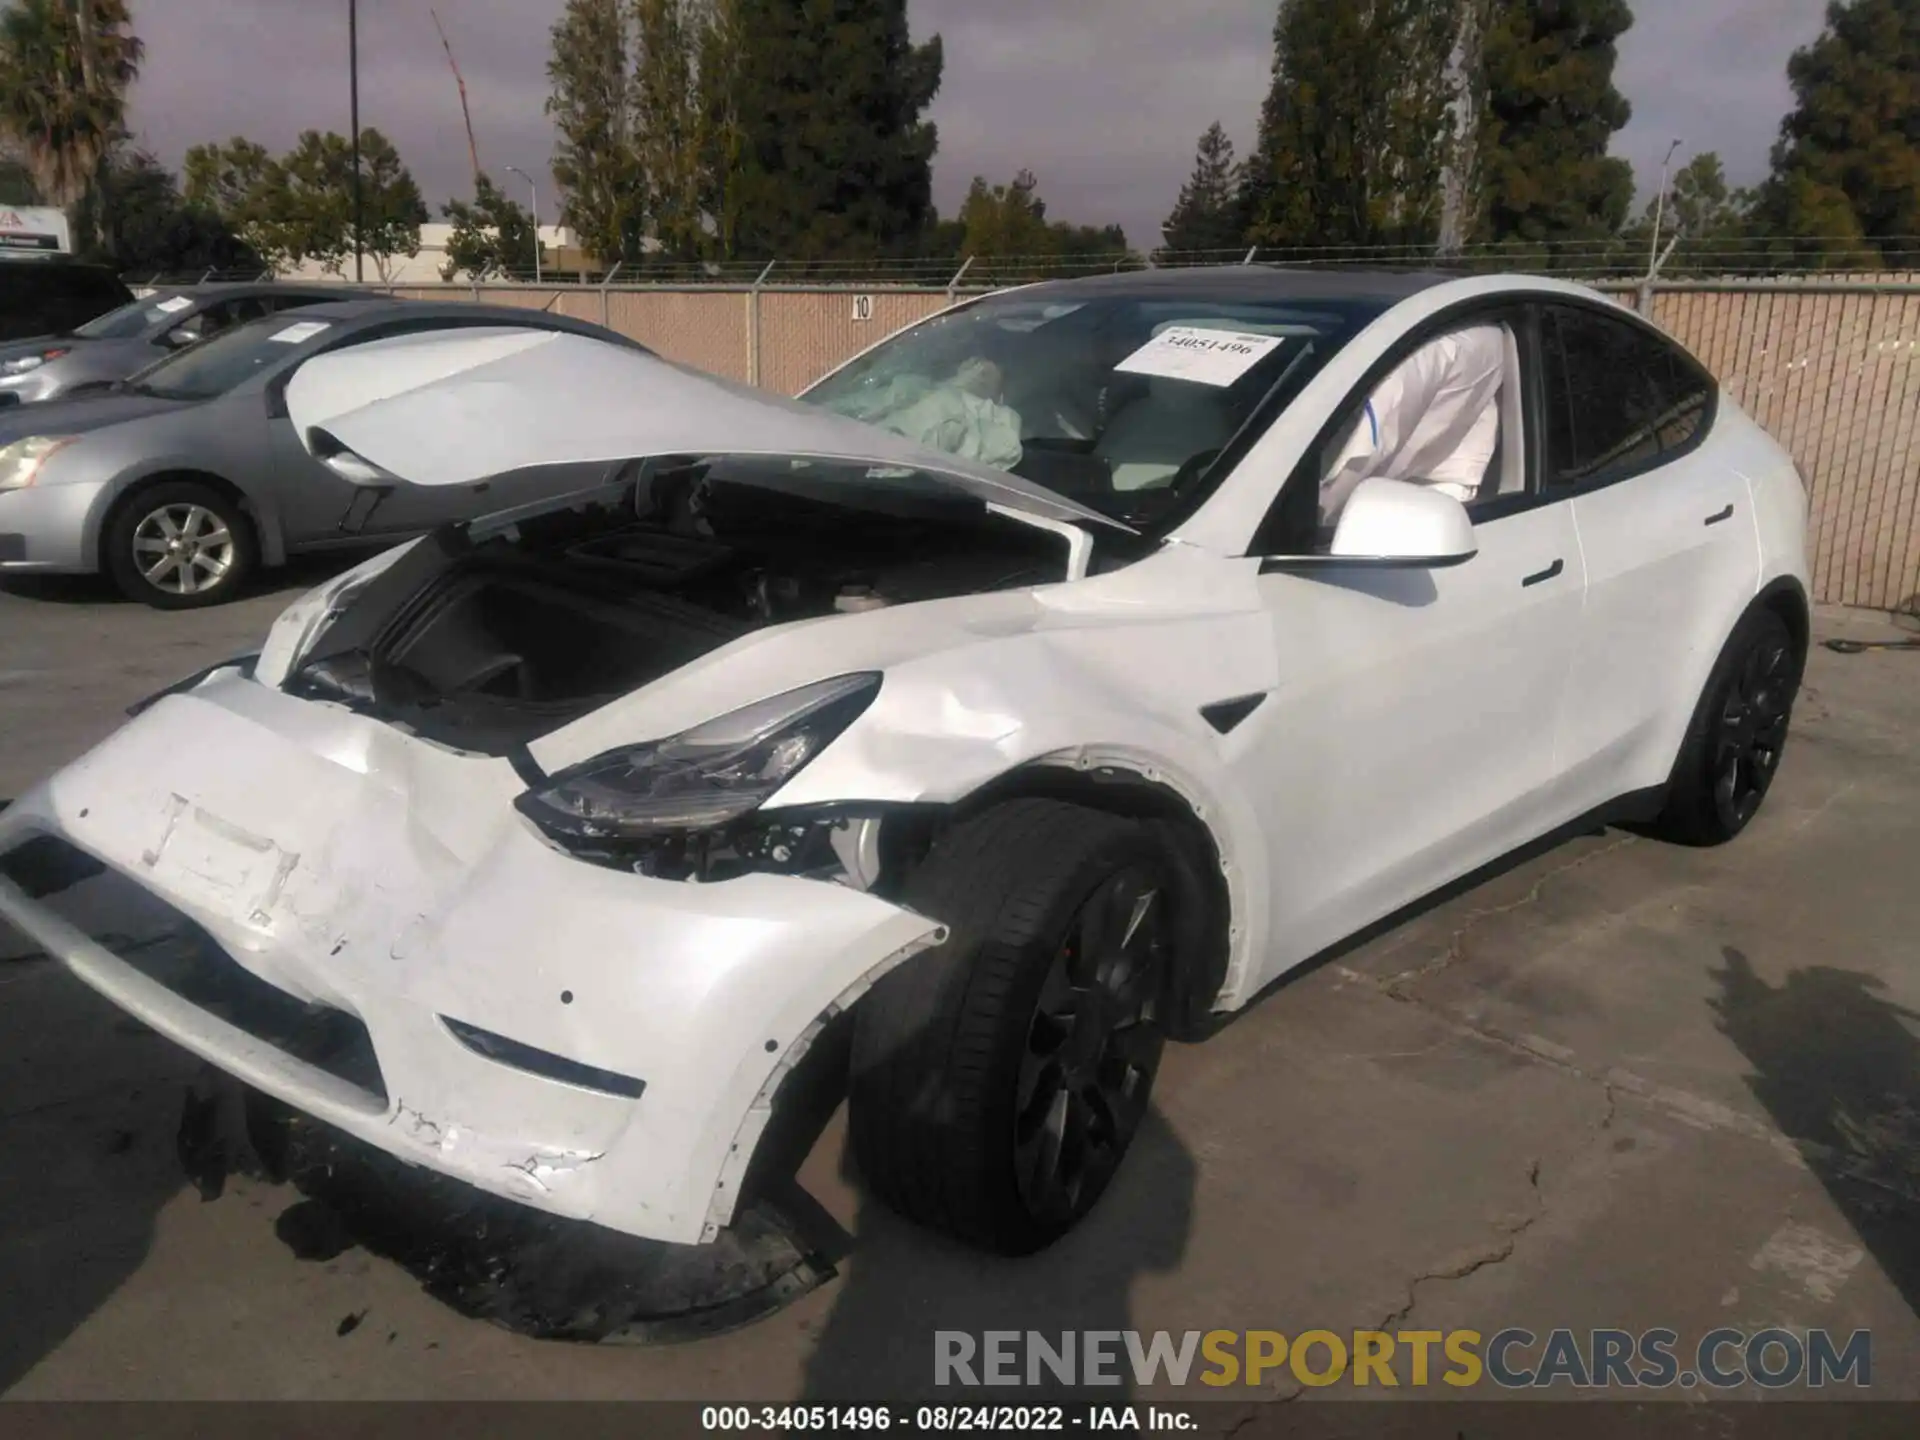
1733 748
179 545
999 1079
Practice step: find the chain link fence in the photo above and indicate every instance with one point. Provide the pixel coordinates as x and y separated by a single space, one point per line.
1610 258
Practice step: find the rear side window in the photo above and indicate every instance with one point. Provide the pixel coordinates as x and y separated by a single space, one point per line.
1619 399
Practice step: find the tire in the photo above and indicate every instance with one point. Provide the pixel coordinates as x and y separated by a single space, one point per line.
214 546
1733 746
998 1079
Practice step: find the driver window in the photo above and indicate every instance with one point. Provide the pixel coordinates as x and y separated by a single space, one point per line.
1447 416
198 326
188 332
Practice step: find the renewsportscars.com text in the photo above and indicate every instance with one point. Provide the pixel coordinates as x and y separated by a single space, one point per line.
1512 1359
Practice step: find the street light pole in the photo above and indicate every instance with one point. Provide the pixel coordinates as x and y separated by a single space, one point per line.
353 83
516 170
1660 209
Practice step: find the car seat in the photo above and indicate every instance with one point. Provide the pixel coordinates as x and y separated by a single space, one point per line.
1153 436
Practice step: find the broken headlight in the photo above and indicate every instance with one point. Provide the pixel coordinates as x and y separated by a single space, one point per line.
703 778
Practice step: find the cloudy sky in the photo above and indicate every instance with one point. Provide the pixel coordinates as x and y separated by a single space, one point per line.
1102 98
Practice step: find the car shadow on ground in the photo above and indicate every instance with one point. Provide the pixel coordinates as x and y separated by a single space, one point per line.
892 1286
903 1286
89 1101
1837 1067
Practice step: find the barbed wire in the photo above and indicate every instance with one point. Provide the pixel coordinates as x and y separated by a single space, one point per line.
1610 259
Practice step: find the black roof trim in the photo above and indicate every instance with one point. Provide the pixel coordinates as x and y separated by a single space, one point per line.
1252 282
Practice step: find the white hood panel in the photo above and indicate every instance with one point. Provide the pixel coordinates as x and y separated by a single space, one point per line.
466 406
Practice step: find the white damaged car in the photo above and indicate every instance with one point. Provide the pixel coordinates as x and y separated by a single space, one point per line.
1050 681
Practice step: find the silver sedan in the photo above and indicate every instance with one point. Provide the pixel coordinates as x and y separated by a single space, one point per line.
113 346
182 480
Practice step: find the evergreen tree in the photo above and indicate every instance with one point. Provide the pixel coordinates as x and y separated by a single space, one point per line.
149 229
1207 216
1552 109
300 206
1009 222
722 134
835 159
1704 225
493 236
1353 135
667 123
1004 221
246 187
603 190
1846 171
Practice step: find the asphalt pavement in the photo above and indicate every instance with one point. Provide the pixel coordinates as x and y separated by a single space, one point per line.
1619 1084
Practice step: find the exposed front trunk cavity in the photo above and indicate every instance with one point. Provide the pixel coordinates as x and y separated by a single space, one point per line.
488 640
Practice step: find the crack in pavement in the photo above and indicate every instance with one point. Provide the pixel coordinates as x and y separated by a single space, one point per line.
1497 1253
1454 953
1513 1231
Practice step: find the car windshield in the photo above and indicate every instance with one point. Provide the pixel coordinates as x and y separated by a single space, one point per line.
1121 402
131 320
230 358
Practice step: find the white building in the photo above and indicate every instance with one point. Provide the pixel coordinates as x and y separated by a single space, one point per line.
425 267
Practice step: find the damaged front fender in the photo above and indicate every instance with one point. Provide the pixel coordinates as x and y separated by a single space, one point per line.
358 874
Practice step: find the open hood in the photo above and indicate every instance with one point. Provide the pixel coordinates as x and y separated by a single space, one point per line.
463 407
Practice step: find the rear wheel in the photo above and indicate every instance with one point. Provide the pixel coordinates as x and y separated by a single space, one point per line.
179 545
1733 748
999 1079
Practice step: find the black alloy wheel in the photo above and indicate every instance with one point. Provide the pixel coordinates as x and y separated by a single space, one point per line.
1093 1047
1753 728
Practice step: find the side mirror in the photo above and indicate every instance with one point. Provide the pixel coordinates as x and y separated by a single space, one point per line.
1393 523
180 337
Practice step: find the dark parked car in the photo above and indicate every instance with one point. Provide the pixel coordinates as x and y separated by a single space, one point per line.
45 297
131 337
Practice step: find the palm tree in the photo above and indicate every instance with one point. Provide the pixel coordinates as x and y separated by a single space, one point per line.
65 66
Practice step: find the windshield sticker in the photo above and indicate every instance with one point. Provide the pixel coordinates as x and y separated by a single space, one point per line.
1206 357
172 306
294 334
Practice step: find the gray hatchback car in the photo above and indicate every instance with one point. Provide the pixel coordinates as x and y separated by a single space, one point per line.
181 480
113 346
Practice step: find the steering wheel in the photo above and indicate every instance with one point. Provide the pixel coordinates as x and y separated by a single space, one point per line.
1192 470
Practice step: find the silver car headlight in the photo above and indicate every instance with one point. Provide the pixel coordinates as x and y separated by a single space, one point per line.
700 779
22 364
21 462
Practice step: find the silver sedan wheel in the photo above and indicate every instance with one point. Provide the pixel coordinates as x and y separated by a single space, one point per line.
183 549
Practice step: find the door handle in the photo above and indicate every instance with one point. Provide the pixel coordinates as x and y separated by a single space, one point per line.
1552 572
1722 518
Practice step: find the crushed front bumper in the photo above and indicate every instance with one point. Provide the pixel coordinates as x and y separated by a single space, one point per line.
381 895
